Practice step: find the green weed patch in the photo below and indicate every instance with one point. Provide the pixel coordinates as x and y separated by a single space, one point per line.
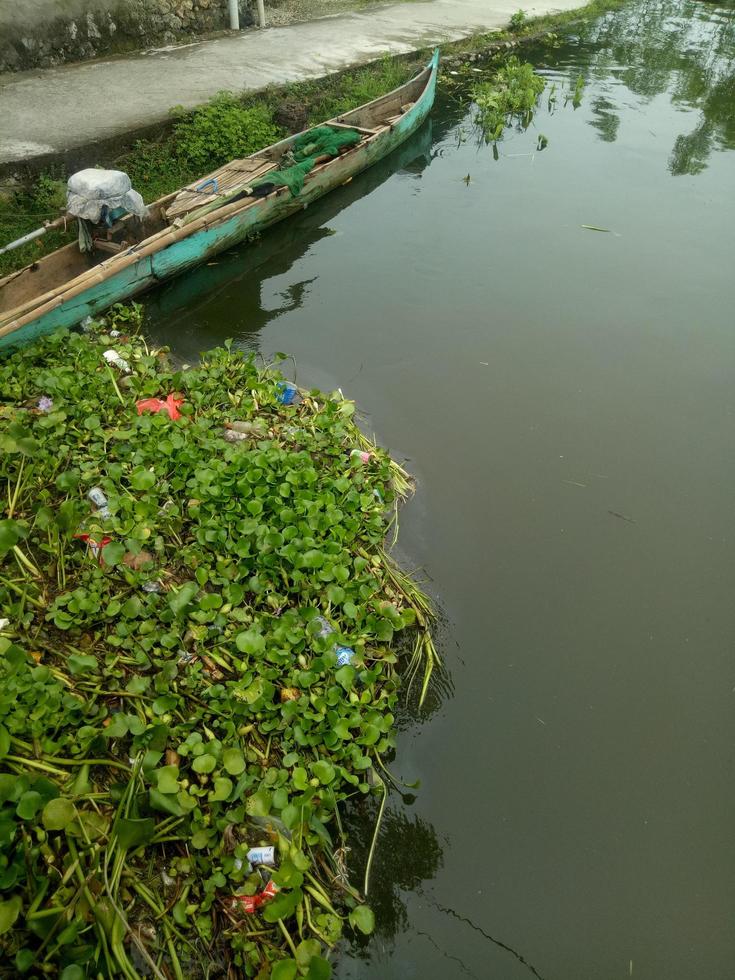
200 658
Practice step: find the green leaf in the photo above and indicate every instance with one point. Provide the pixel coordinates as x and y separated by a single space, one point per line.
80 663
363 918
319 969
29 805
284 970
290 815
283 905
346 676
306 951
178 601
11 533
250 641
58 814
24 960
259 804
132 607
324 771
133 833
168 779
233 761
72 972
4 741
165 803
222 789
142 479
113 553
204 763
9 912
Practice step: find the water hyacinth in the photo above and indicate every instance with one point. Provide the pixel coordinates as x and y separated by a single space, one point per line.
169 697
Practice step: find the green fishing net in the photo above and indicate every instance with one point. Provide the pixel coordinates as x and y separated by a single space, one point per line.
305 151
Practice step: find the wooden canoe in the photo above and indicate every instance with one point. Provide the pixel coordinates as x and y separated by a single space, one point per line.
66 286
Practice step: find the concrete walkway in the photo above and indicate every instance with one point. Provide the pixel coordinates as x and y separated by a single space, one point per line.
56 110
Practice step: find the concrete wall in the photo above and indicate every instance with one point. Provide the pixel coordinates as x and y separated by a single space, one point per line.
43 33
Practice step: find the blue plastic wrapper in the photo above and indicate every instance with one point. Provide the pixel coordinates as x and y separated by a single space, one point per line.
344 656
286 392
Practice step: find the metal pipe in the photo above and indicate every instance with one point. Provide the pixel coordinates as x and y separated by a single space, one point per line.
261 14
232 6
48 226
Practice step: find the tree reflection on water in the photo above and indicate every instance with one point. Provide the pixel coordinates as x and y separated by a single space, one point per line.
685 50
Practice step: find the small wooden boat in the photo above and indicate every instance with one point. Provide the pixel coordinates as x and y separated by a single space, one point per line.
188 227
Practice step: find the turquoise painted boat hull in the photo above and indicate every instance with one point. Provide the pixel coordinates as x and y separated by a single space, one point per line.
220 233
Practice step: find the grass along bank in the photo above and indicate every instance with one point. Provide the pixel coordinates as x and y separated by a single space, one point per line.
171 695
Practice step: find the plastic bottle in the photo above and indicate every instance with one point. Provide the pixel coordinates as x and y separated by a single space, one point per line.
345 655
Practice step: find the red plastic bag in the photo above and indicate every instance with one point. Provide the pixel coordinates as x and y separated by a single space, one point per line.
170 404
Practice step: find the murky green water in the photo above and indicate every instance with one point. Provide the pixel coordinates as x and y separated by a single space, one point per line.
566 400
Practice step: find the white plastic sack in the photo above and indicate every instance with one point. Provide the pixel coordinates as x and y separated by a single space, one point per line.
88 191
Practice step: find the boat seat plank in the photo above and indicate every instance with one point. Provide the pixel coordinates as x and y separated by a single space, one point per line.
360 129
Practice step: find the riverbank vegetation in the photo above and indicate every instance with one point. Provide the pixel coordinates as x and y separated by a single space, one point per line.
202 642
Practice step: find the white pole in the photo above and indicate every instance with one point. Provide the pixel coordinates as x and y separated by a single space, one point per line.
234 15
261 14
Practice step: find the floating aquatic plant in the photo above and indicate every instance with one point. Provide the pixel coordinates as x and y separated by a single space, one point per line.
169 696
508 98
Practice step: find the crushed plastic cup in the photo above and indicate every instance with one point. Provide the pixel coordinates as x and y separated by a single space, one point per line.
262 855
112 357
345 656
286 392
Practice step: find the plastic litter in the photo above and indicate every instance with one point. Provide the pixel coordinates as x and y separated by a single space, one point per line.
262 855
251 903
94 546
151 586
287 392
233 436
112 357
115 333
170 404
86 323
45 404
345 655
97 496
4 623
361 455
